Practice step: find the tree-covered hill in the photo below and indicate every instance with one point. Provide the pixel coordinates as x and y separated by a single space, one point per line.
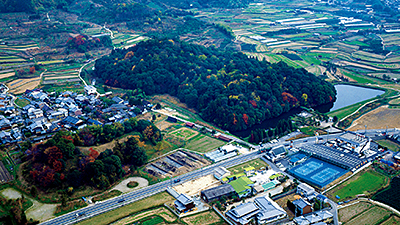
226 87
7 6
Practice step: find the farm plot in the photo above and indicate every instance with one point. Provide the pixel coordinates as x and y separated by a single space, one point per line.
161 211
61 76
346 214
21 85
11 59
203 143
366 56
184 133
6 73
392 220
371 216
19 47
204 218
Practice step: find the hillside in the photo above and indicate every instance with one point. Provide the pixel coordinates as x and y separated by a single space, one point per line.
226 87
7 6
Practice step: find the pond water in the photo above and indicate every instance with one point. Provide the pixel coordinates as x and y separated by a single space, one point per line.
346 95
349 95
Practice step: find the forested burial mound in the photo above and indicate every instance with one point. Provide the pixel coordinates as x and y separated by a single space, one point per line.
226 87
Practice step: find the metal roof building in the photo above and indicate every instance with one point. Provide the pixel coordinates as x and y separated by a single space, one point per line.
243 213
333 156
269 210
217 192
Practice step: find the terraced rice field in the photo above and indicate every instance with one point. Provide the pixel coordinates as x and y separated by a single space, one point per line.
6 73
21 47
62 75
21 85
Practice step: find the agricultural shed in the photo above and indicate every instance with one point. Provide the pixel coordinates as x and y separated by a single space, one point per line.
217 192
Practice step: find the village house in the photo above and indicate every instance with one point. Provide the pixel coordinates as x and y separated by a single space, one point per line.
243 213
302 207
183 203
90 90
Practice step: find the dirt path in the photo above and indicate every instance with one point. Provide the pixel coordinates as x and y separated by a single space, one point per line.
123 185
377 119
38 211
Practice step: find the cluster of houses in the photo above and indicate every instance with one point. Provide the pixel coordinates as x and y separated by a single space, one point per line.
46 113
260 209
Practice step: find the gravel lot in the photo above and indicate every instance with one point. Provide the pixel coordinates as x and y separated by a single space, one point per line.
123 185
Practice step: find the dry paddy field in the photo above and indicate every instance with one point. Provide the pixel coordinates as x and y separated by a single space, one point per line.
6 74
378 119
20 85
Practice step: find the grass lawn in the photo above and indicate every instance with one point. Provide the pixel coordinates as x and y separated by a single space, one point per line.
203 143
390 145
310 131
364 183
21 102
256 163
106 195
343 112
111 216
161 148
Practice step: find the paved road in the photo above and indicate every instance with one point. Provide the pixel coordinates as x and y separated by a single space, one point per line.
128 198
334 211
119 201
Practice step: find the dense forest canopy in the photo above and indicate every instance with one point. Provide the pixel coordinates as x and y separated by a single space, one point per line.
58 163
227 87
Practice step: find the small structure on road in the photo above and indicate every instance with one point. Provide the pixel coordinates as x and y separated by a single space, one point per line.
221 172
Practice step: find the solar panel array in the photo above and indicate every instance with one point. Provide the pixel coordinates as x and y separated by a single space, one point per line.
344 160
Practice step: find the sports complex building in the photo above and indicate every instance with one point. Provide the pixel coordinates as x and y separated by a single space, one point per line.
331 160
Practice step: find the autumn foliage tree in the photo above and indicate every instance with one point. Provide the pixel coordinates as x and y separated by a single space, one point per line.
32 70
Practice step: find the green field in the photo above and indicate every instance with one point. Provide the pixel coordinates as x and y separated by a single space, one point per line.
365 183
184 133
203 143
389 144
111 216
21 102
256 163
343 112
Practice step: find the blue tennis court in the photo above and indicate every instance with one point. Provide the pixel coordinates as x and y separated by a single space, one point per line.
317 172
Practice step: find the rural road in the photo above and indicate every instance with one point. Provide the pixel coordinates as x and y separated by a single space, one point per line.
119 201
